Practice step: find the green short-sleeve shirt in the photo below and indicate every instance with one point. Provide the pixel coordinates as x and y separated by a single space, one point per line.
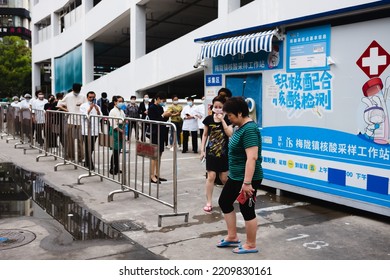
245 137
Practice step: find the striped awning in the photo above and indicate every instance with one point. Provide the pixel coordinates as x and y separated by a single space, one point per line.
255 42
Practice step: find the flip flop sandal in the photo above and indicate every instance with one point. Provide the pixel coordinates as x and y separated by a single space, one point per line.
242 250
208 208
224 243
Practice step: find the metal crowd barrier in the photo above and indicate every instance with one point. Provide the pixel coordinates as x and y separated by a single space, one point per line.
91 144
2 121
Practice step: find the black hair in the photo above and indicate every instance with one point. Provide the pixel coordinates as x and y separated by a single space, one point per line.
219 98
161 95
59 95
76 87
133 96
38 92
190 98
116 97
236 105
227 92
174 96
104 94
90 92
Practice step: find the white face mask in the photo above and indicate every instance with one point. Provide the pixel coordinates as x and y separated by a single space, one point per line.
217 110
132 101
146 99
175 102
189 103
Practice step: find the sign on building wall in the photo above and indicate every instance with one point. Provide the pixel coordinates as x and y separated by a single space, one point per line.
213 80
308 49
250 62
303 92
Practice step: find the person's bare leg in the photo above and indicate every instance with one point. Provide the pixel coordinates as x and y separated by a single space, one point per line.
153 168
230 219
223 176
251 231
210 187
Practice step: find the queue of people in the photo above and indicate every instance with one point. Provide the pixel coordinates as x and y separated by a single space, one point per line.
230 144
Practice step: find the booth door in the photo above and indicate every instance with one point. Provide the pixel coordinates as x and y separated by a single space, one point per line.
248 86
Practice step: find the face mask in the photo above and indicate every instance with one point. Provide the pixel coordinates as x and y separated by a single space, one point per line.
41 97
162 104
175 102
146 99
120 105
132 101
189 103
217 110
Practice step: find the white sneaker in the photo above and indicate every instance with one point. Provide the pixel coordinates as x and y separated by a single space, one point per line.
171 149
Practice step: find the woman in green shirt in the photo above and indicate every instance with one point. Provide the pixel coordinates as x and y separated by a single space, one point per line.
245 175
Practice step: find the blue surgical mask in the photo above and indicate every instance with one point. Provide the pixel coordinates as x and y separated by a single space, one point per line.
121 106
189 103
162 104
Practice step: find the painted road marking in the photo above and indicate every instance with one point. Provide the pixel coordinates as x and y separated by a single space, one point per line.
281 207
300 236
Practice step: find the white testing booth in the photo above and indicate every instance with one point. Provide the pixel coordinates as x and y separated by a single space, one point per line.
318 87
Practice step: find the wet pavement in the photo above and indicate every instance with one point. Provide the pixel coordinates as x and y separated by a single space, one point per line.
291 227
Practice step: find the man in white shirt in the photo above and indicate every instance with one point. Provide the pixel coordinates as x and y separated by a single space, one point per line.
15 106
190 116
90 108
37 106
26 102
71 103
15 102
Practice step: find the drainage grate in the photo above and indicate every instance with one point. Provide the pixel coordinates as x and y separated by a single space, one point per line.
12 238
125 225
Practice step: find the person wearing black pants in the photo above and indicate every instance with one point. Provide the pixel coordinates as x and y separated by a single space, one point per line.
194 140
190 116
117 131
90 128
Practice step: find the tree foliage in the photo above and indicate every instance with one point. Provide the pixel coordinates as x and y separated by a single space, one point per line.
15 66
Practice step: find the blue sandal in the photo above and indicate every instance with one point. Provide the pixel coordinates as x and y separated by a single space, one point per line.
224 243
242 250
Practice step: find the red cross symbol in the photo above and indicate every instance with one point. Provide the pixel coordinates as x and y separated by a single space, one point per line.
374 60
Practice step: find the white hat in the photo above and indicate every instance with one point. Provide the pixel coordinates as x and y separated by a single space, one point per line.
15 98
27 95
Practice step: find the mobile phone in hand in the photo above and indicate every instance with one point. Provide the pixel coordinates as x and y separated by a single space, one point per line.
241 198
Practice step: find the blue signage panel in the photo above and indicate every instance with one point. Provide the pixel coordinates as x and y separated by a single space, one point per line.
329 161
213 80
250 62
308 49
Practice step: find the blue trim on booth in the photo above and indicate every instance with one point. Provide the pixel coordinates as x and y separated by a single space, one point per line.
321 186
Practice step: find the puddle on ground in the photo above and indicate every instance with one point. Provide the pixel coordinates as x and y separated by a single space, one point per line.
24 193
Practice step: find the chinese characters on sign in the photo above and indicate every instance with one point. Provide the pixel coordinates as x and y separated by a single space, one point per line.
301 92
213 80
308 49
250 62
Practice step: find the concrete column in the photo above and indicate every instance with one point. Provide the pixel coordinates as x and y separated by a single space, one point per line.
137 32
55 25
227 6
53 76
36 77
87 6
88 62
